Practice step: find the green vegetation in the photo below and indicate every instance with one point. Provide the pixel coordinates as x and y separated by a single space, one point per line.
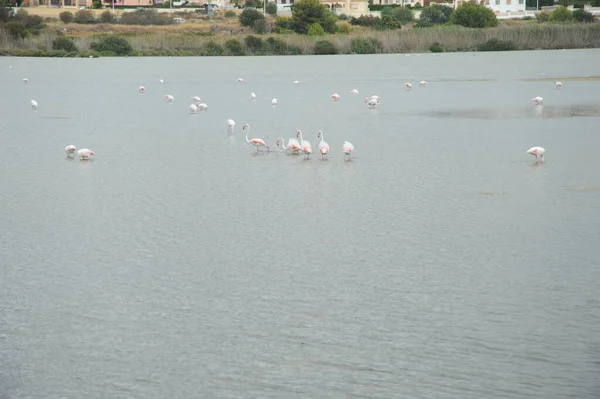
309 12
473 15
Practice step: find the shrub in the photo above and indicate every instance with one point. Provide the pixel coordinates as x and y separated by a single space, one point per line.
112 44
260 26
249 16
542 17
308 12
422 24
15 29
106 17
84 17
316 30
234 47
561 14
283 22
323 47
34 24
254 43
66 16
276 46
496 45
212 49
366 20
6 13
344 17
595 3
403 14
146 17
583 16
436 48
473 15
97 4
64 43
344 27
229 14
388 22
271 8
365 46
436 13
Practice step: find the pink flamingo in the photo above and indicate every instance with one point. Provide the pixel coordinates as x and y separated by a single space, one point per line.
558 85
348 149
538 100
408 86
335 97
255 142
304 145
169 98
142 89
323 146
537 152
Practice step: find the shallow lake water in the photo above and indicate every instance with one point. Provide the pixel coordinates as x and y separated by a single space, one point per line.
439 262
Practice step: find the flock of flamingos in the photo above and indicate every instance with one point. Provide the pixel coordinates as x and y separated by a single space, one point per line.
296 145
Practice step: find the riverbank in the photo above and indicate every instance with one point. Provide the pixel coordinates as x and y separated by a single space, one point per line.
525 35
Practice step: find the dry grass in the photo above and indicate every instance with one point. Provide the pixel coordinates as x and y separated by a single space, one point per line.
194 35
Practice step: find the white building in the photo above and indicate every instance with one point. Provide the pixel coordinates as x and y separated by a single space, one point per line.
500 6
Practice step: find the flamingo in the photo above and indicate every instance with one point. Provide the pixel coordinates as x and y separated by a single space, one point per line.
25 80
196 99
141 89
558 85
86 154
70 149
335 97
161 81
323 146
230 125
348 149
423 83
293 145
274 102
169 98
34 104
538 100
240 80
304 145
202 107
255 142
193 108
354 91
280 143
296 81
372 103
536 152
253 96
408 86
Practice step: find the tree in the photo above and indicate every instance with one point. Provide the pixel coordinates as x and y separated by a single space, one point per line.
581 15
84 17
561 14
271 8
113 44
64 43
308 12
436 13
403 15
249 16
473 15
66 16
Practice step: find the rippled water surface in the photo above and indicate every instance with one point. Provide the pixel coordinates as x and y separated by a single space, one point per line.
440 262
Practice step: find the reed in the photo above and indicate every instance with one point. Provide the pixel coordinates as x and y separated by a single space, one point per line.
533 36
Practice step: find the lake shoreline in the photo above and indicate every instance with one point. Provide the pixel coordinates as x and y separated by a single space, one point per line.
535 36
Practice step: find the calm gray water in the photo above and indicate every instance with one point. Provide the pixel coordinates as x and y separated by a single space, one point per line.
439 262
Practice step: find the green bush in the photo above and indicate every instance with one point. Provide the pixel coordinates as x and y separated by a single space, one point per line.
436 48
581 15
146 17
388 22
84 17
496 45
66 16
316 30
344 28
229 14
403 15
365 46
423 24
436 13
112 44
561 14
271 8
64 43
249 16
308 12
97 4
323 47
276 46
542 17
107 17
283 22
254 43
212 49
234 47
15 29
473 15
260 26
